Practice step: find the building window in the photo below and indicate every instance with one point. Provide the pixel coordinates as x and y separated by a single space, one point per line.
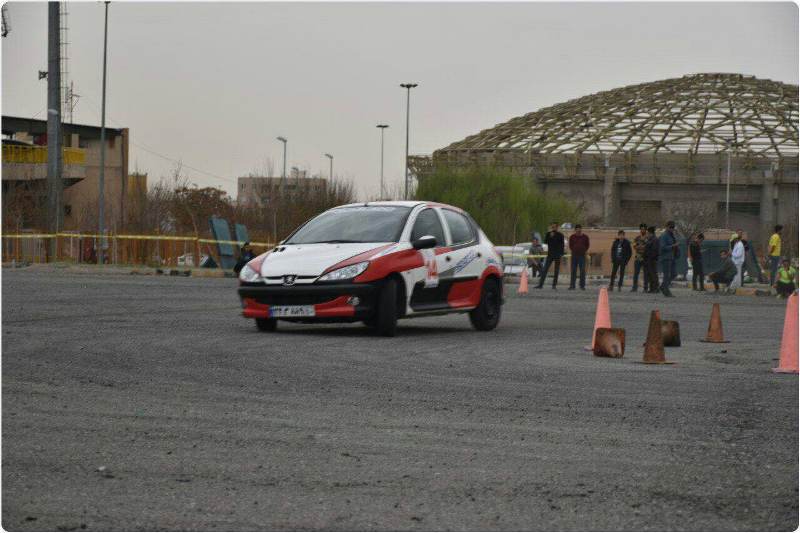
67 209
744 208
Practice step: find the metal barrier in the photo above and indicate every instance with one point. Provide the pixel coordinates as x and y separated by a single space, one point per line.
150 250
37 155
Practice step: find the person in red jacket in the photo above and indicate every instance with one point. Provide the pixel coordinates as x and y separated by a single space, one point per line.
578 246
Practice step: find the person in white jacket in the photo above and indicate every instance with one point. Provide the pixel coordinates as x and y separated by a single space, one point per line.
737 256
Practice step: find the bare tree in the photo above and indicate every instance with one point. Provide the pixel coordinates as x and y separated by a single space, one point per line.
693 216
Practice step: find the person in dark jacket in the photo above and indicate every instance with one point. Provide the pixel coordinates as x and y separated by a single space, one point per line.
651 259
667 247
578 246
726 272
639 243
620 255
246 254
555 250
696 257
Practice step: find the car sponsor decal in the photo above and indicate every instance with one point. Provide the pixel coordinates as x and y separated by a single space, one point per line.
464 261
431 272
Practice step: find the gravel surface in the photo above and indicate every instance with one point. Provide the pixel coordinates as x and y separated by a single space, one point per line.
148 403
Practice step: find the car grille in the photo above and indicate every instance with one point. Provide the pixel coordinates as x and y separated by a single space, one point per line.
295 299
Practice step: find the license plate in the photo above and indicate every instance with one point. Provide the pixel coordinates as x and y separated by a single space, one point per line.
290 311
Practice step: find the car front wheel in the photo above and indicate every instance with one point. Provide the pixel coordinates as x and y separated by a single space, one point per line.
486 316
386 314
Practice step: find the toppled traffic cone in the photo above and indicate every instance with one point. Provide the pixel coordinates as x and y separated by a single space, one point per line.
602 316
609 342
670 333
654 345
714 327
789 348
523 282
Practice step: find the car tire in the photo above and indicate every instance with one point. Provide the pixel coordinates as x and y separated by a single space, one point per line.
386 315
486 316
267 324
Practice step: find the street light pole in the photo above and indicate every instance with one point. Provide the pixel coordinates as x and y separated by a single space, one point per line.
408 87
728 193
383 128
101 198
283 174
329 156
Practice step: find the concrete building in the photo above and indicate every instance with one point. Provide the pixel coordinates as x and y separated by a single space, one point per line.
25 173
263 191
656 151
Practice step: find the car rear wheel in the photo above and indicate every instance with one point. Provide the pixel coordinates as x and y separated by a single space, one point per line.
267 324
486 316
386 315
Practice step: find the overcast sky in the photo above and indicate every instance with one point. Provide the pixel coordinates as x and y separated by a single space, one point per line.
213 84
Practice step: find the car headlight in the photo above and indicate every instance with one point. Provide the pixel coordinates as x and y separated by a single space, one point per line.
249 275
347 272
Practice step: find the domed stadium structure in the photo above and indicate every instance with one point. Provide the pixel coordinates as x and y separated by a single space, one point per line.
644 152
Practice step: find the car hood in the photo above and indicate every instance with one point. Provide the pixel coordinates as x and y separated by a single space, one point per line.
310 260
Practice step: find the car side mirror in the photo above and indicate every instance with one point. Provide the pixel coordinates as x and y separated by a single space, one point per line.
426 241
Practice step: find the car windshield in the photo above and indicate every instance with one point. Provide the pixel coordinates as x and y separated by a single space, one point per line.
354 224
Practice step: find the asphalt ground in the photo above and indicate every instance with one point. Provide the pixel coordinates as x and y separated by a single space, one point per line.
148 403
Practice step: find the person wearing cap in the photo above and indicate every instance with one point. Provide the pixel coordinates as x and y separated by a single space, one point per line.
737 256
639 243
667 248
578 246
786 282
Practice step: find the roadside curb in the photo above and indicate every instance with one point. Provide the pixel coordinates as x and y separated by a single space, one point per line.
123 270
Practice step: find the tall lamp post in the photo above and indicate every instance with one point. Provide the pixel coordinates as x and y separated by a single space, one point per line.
101 193
283 174
383 128
407 87
731 144
329 156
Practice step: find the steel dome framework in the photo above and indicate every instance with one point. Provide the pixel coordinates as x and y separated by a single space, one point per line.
695 114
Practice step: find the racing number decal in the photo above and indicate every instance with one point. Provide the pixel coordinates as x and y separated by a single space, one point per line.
431 272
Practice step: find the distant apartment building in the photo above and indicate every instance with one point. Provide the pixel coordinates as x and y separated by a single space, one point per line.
263 191
25 173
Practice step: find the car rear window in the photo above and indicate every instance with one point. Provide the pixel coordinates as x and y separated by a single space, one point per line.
460 229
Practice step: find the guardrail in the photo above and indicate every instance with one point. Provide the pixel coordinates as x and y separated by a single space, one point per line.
150 250
37 155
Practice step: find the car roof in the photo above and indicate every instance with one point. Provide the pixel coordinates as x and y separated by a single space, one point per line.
401 203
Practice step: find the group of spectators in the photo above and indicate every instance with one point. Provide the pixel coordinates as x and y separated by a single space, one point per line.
651 254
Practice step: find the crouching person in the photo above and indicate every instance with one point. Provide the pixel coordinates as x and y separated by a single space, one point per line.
786 279
726 273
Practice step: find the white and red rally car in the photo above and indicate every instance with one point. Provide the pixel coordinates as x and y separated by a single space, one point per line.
377 262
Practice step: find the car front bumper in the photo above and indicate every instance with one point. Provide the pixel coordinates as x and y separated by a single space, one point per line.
331 301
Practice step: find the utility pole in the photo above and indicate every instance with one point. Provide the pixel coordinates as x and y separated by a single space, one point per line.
329 156
102 200
728 193
408 87
54 155
383 128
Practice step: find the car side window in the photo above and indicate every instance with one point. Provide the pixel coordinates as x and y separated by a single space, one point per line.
460 229
427 223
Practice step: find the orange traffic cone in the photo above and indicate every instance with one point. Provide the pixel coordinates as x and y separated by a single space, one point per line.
609 342
523 282
714 327
602 316
654 346
789 348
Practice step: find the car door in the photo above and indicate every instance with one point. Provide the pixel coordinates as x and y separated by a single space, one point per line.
464 262
428 293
